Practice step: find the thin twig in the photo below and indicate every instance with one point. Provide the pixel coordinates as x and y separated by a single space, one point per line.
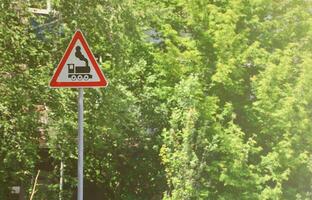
34 187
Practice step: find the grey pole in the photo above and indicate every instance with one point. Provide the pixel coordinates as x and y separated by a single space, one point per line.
80 145
61 177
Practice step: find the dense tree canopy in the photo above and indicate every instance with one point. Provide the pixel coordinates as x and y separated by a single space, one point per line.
206 99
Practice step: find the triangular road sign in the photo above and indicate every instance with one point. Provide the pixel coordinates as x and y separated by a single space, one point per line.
78 67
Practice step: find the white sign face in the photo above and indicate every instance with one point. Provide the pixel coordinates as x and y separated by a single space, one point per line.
78 67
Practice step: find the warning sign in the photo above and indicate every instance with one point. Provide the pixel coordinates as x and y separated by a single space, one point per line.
78 67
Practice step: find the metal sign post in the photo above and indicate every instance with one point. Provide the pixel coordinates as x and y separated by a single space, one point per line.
78 69
80 144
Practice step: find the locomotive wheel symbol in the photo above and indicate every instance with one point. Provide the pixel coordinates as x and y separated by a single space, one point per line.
85 77
73 78
79 77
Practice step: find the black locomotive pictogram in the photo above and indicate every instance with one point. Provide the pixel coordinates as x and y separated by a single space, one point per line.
79 73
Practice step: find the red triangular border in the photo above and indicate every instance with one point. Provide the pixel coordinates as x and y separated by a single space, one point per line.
101 83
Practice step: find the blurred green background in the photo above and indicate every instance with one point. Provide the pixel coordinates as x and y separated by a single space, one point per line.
207 99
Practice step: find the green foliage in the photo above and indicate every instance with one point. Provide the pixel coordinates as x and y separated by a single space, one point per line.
206 99
22 58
